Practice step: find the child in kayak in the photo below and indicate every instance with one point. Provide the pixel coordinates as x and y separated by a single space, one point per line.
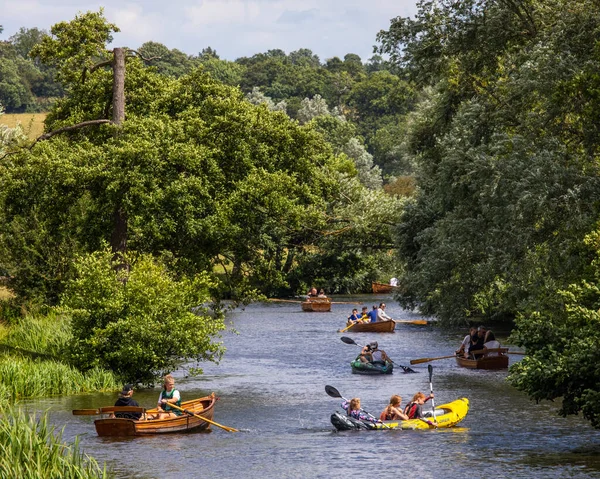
393 410
414 409
353 410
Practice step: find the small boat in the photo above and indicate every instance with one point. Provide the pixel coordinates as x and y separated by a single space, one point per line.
382 288
486 362
131 427
317 305
446 415
359 367
377 327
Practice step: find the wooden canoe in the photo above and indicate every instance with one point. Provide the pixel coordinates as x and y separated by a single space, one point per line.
377 327
130 427
317 305
488 362
382 288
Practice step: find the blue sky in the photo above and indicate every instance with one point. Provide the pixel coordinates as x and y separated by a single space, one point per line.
234 28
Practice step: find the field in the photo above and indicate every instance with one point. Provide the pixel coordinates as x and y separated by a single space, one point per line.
32 123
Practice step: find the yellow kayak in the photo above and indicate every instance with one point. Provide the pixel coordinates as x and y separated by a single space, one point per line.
446 415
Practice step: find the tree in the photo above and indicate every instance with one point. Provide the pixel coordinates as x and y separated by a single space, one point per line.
312 108
139 323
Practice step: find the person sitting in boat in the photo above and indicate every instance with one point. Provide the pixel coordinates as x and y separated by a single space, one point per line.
354 317
381 314
394 282
491 343
373 315
364 315
378 355
463 349
393 411
354 410
169 395
477 341
125 399
414 409
322 294
312 292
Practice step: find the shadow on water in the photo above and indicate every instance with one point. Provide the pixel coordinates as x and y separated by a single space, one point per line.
271 387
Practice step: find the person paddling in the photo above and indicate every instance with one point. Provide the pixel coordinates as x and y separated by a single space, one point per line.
125 399
354 410
414 409
393 410
169 395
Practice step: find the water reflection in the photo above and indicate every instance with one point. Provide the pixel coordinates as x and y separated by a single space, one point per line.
271 386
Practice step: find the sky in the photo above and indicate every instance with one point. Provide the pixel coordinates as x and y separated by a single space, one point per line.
234 28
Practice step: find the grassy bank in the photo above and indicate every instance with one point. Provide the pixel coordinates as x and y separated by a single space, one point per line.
32 123
31 449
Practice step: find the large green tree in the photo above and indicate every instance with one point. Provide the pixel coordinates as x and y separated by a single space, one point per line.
505 137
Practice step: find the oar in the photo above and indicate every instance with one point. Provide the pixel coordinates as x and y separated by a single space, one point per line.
227 428
426 360
348 340
418 322
284 300
346 328
430 369
334 393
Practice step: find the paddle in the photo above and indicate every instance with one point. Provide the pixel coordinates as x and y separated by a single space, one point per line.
348 340
227 428
334 393
418 322
108 410
426 360
430 369
346 328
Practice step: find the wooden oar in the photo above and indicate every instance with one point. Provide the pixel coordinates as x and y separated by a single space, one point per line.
227 428
108 410
426 360
284 300
346 328
334 393
418 322
348 340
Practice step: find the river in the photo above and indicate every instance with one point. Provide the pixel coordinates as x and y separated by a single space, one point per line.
271 387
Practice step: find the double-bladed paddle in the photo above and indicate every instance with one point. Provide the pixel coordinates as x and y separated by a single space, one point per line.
430 369
334 393
348 340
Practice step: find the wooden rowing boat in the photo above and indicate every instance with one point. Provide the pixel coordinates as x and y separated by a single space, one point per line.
317 305
130 427
446 415
486 362
377 327
382 288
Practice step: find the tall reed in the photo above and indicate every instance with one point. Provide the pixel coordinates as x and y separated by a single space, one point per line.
28 378
31 449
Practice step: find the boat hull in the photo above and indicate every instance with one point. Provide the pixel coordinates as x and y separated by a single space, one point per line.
358 367
317 305
446 415
107 427
489 362
382 288
377 327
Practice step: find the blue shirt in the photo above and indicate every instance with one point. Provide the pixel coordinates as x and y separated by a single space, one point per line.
373 315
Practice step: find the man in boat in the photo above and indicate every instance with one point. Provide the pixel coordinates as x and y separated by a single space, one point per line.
378 355
125 399
381 314
373 315
364 315
312 292
477 341
169 395
463 349
354 317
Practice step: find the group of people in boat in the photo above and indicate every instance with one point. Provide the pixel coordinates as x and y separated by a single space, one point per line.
392 412
312 293
169 397
478 339
376 314
372 354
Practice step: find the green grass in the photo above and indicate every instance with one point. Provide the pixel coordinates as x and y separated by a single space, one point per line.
32 123
32 362
31 449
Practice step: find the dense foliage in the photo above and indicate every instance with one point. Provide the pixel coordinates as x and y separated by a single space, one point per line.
138 322
505 137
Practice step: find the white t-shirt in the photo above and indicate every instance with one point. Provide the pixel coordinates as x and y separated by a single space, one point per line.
466 343
382 315
492 345
176 395
394 282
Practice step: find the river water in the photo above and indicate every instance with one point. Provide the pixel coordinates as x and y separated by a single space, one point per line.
271 387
